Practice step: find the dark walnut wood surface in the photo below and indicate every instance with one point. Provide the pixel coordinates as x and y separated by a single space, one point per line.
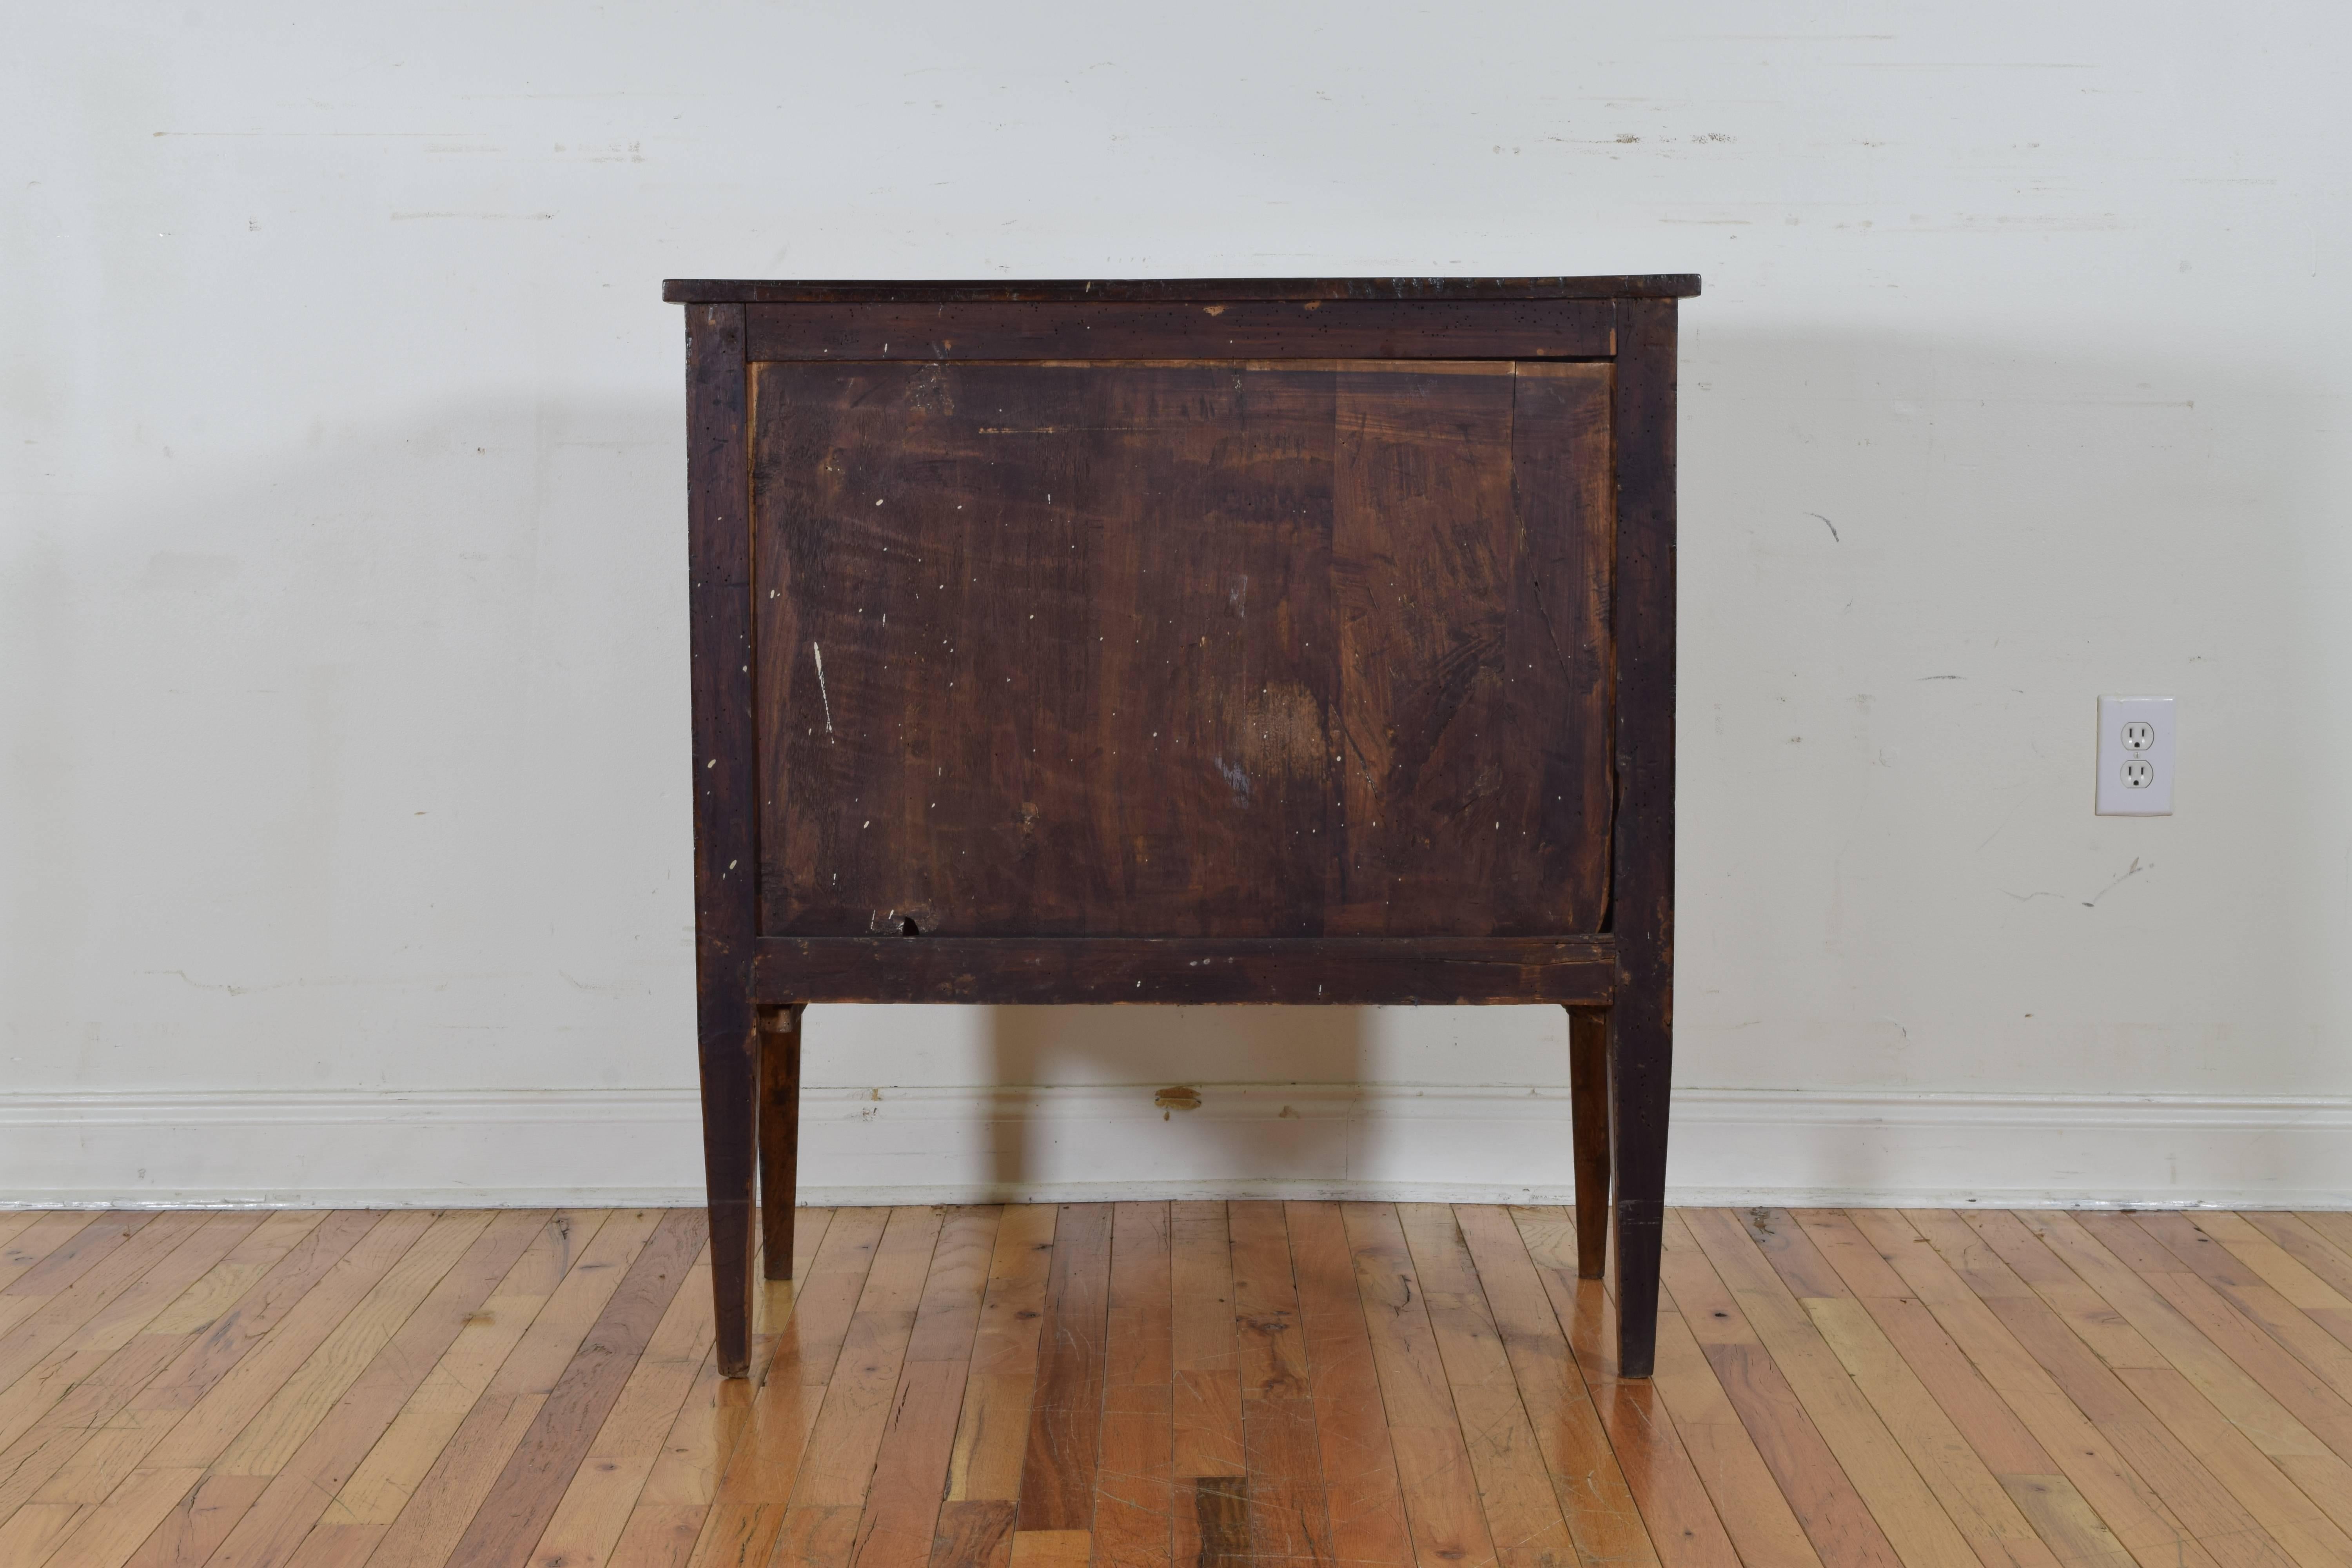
1236 649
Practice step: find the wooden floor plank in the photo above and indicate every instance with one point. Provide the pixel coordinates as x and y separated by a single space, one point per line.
372 1497
662 1534
198 1522
2289 1382
309 1395
2302 1238
1425 1430
2046 1276
279 1428
187 1419
83 1445
75 1354
1207 1380
1357 1385
101 1461
2249 1242
1270 1356
2334 1226
2302 1528
1587 1482
817 1535
2300 1263
1755 1512
213 1295
2238 1435
523 1499
947 1318
34 1531
2139 1518
1288 1514
110 1534
1837 1517
50 1230
1362 1495
435 1512
902 1504
1885 1464
2050 1501
668 1517
974 1534
107 1273
1057 1469
2066 1522
1218 1527
604 1491
763 1461
1523 1513
701 1442
1972 1496
199 1405
1994 1430
894 1527
2229 1277
1134 1484
992 1433
84 1382
96 1237
1051 1548
838 1469
1689 1526
2235 1397
2205 1508
271 1531
14 1223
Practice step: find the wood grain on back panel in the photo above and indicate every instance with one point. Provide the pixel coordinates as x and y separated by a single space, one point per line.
1213 649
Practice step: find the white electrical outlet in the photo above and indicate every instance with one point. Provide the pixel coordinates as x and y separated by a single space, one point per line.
2134 756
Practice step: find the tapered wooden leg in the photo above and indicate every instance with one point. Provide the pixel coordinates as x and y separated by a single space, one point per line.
1641 1071
731 1100
1642 892
779 1134
1588 1094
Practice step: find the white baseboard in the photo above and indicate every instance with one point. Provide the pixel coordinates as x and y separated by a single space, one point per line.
639 1147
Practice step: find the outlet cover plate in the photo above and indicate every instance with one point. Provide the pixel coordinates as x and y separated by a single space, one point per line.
2134 756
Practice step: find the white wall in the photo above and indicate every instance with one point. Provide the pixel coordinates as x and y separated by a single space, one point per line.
343 827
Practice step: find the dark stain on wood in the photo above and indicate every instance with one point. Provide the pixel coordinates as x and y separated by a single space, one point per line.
1221 1506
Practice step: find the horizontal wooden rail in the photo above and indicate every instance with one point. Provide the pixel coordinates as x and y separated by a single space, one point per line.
1257 328
1578 970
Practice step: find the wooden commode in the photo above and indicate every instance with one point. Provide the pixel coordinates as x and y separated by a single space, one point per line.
1273 641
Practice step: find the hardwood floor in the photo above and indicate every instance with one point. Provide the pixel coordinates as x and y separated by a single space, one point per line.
1144 1386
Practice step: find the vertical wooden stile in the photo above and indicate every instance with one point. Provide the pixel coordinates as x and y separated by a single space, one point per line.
1642 903
726 787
